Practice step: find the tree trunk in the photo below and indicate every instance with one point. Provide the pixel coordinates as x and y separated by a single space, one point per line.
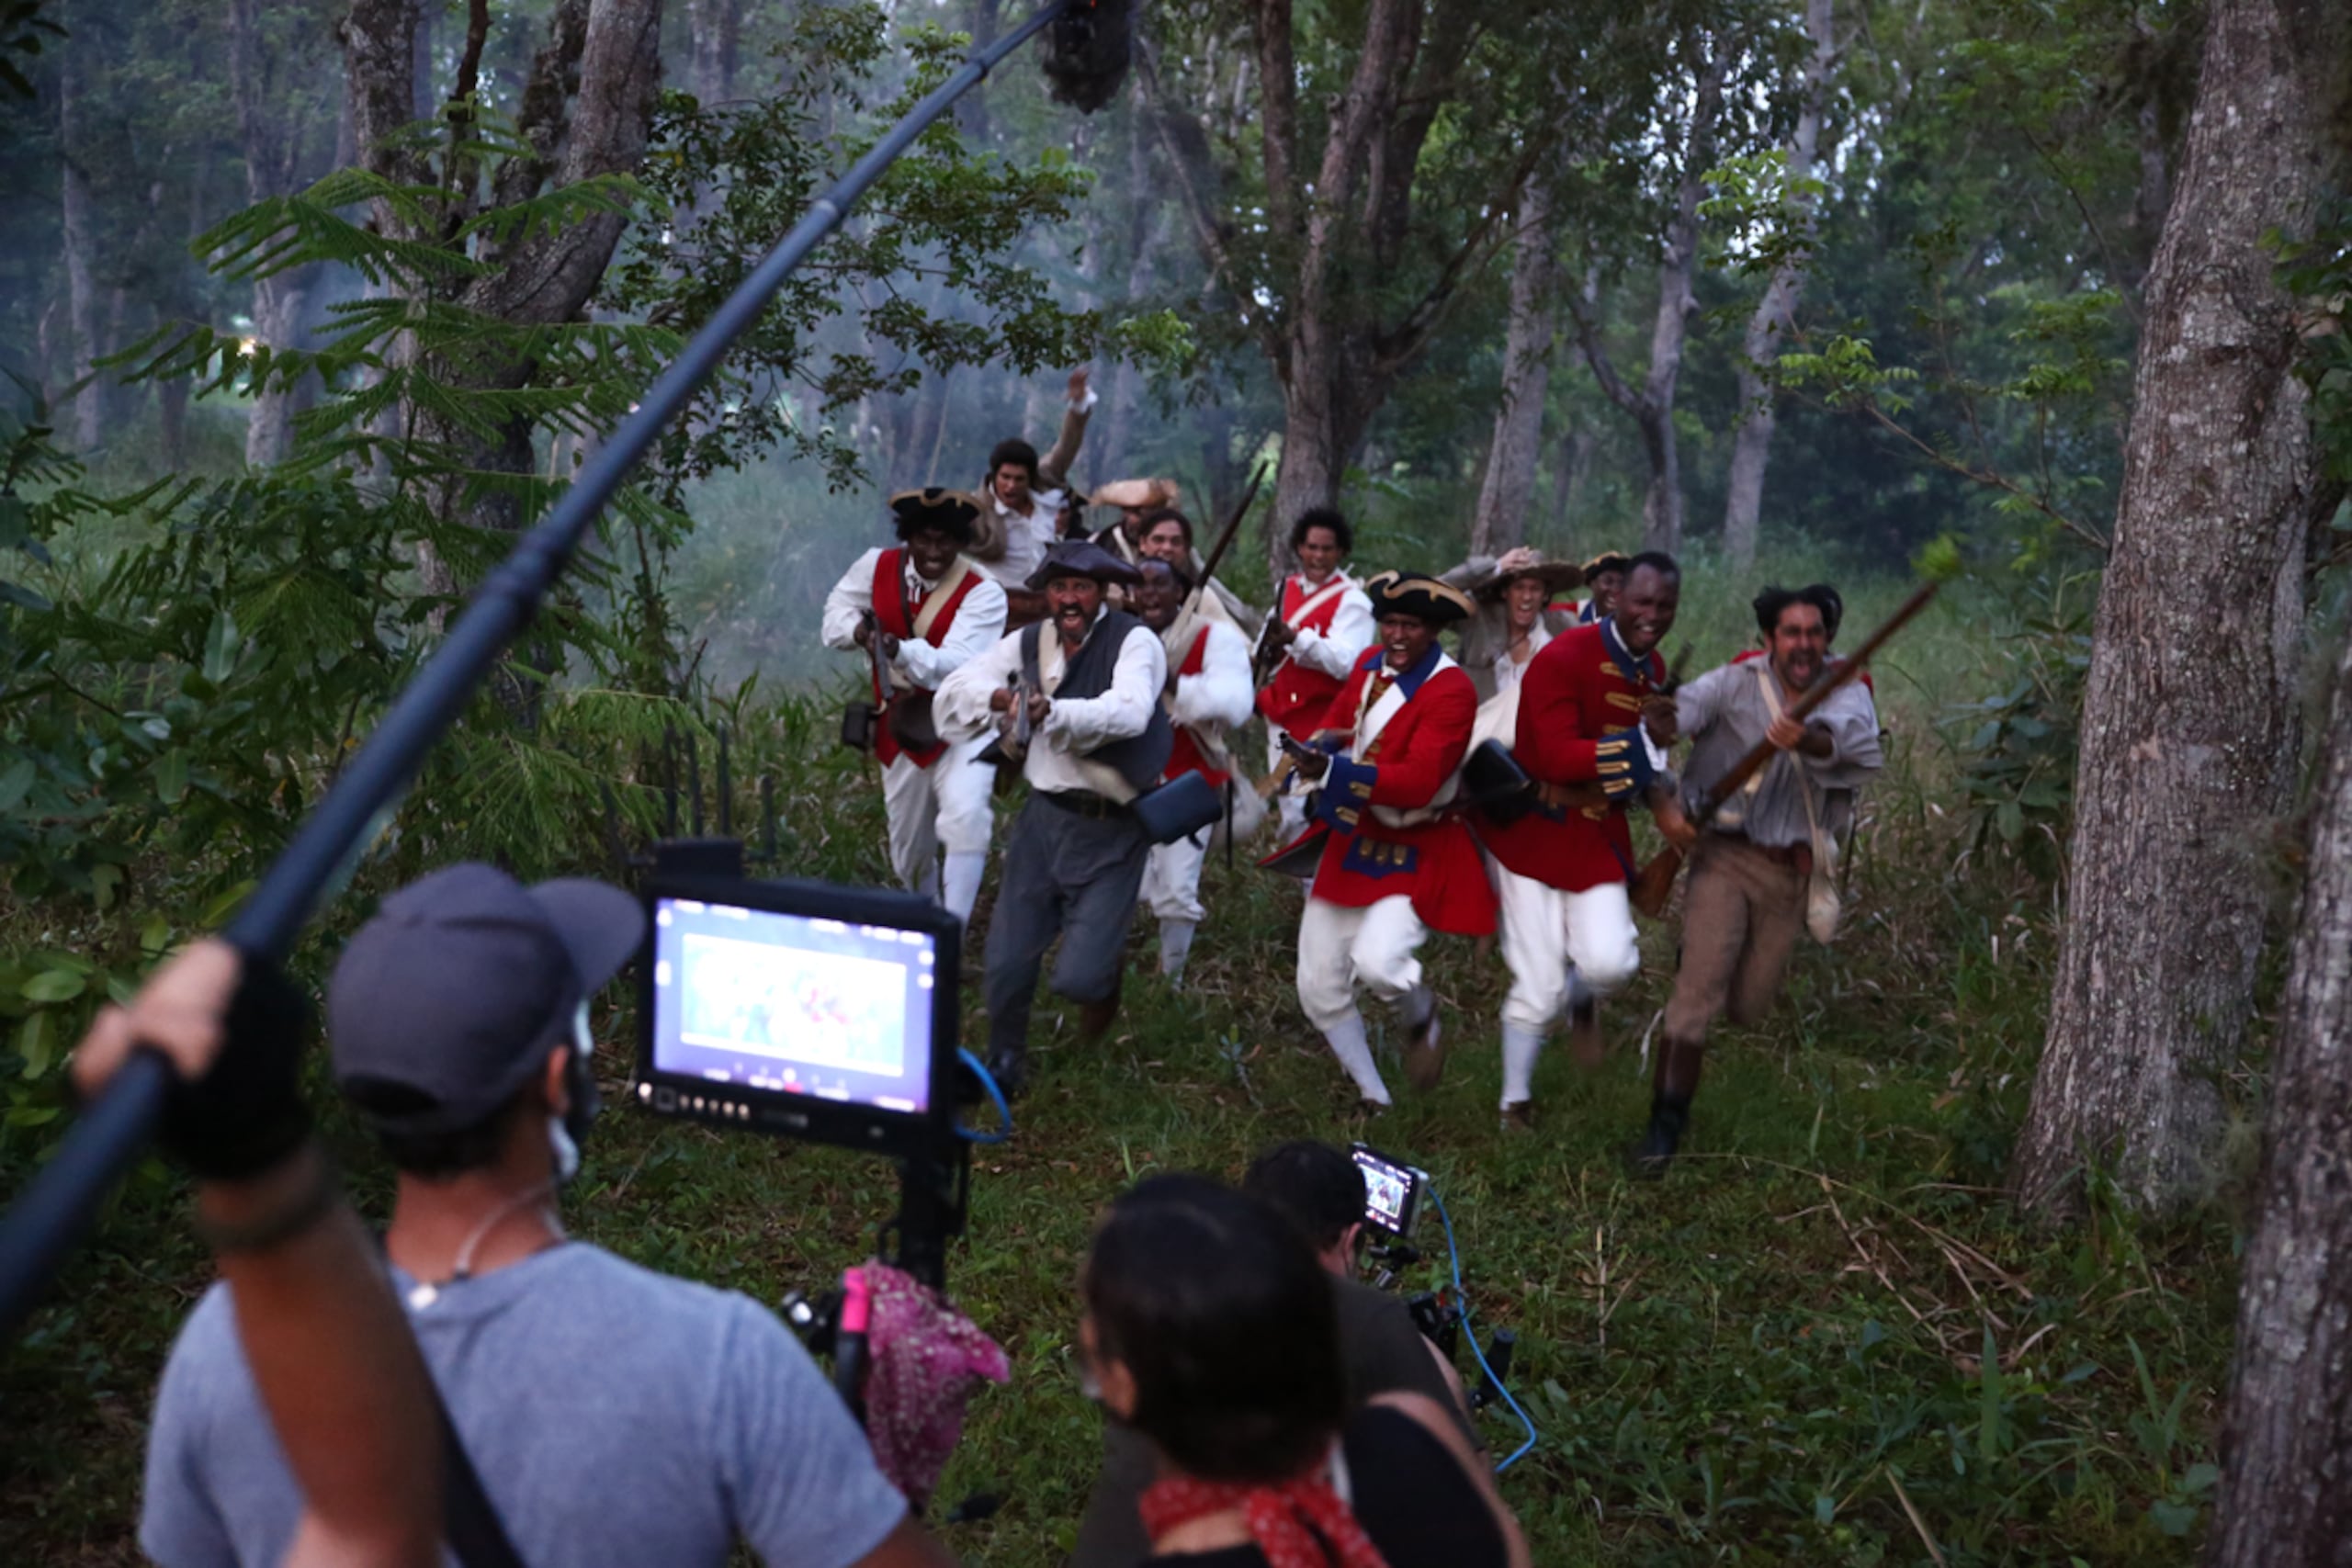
2286 1495
2190 739
279 302
1752 446
1509 485
715 28
80 287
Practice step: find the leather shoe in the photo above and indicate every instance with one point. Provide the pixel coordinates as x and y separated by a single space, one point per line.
1424 1055
1584 1033
1518 1116
1011 1070
1647 1159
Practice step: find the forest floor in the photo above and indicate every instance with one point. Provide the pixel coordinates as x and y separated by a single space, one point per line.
1825 1338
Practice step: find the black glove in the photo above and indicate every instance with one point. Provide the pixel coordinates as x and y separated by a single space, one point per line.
247 1114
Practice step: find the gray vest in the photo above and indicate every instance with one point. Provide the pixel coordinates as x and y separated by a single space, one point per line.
1139 758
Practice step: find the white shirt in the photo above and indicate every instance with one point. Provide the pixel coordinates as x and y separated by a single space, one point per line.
979 621
1059 751
1335 652
1509 669
1220 694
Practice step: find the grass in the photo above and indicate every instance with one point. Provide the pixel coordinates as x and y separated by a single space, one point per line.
1826 1337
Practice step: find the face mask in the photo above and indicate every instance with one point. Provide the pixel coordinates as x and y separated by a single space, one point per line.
564 1131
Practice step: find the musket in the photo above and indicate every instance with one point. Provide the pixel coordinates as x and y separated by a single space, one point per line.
1655 885
1224 540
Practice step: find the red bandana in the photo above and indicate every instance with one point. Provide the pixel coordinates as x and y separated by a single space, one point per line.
1278 1517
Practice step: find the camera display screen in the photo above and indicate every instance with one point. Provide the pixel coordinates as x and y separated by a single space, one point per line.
794 1004
1392 1191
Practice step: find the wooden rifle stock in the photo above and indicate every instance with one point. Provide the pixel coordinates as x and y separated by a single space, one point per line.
1655 883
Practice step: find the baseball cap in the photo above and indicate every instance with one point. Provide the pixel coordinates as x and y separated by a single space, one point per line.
447 1003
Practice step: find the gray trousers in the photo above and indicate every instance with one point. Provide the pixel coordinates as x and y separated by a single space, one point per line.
1065 876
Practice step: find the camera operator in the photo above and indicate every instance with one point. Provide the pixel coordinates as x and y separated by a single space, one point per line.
330 1358
1321 1191
1210 1328
613 1415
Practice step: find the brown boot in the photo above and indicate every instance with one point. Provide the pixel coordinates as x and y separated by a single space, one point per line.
1424 1055
1585 1047
1094 1019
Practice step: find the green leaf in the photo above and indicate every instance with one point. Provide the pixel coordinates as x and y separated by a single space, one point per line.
36 1042
2173 1518
171 776
54 986
105 880
220 647
2009 820
17 782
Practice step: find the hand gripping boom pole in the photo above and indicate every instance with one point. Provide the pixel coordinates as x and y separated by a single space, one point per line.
46 1220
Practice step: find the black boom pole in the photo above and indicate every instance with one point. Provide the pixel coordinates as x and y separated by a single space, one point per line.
1087 56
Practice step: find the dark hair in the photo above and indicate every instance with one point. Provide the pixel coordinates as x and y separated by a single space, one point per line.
1775 600
433 1157
1182 579
1214 1304
1159 514
1317 1188
1014 451
1324 517
1657 561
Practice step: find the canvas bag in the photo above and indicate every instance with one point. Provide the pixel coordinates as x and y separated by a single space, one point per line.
1821 903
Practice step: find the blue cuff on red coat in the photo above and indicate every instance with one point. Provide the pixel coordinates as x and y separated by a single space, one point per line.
1623 764
1347 791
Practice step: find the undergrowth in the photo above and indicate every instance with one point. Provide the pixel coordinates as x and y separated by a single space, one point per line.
1826 1337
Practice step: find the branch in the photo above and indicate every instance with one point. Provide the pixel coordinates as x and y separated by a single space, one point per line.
1991 479
1185 140
1390 34
1604 372
1278 115
1398 346
2098 235
380 73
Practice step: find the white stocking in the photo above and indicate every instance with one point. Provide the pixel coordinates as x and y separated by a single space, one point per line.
1348 1043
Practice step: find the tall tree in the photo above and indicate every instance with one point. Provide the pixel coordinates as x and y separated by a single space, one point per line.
1692 150
584 113
1509 489
78 231
1752 446
2189 736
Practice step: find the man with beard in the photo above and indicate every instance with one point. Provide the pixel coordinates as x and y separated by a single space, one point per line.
933 610
1318 630
1077 697
1396 861
1207 695
1021 501
1750 865
1561 869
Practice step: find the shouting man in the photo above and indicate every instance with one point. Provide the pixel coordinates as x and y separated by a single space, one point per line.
1394 863
1021 504
932 611
1207 696
1076 699
1318 630
1751 865
1561 870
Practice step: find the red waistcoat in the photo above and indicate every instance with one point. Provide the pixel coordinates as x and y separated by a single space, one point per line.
1572 696
1295 698
1187 757
1405 767
895 614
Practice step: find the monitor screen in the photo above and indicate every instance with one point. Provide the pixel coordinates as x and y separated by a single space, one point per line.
794 1004
1389 1191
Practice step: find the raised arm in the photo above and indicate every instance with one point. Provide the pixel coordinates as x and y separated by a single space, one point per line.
1053 469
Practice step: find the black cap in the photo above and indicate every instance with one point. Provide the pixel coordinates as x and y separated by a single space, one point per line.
453 995
1082 558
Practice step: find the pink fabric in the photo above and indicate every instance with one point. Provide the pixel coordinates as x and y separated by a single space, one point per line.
925 1360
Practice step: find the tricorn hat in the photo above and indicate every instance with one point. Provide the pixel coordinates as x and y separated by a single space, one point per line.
949 511
1082 558
1418 595
1139 492
1606 561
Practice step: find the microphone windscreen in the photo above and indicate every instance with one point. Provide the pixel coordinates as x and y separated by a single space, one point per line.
1086 51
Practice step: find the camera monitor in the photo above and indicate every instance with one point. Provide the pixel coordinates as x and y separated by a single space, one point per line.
1392 1191
801 1009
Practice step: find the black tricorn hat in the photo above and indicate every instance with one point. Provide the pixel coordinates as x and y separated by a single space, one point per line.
949 511
1082 558
1606 561
1418 595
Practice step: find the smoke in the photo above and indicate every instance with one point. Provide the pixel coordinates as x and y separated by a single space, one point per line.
1086 51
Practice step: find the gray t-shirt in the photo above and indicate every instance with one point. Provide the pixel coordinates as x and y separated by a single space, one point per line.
613 1415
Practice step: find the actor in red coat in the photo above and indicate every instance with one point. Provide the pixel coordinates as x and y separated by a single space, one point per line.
1395 860
1561 870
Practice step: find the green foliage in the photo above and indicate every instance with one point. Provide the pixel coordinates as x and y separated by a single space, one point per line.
2318 271
23 30
2019 745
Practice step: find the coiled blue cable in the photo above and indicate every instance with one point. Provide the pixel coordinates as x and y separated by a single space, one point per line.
988 1082
1453 1253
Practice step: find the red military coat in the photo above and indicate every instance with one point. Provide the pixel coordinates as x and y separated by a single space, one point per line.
1296 694
1399 759
1187 756
1579 704
895 614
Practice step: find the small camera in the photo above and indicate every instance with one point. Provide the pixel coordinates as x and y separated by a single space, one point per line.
1392 1191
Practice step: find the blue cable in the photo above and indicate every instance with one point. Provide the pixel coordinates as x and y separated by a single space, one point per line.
1454 1254
988 1082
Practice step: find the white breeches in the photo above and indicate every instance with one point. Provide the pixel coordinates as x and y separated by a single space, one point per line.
1339 949
943 806
1547 932
1171 879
